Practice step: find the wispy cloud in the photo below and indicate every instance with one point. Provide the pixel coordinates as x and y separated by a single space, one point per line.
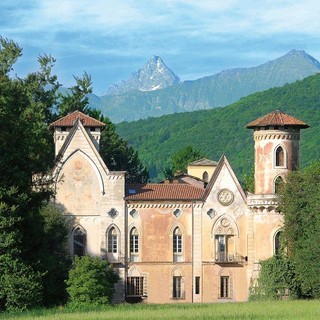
192 36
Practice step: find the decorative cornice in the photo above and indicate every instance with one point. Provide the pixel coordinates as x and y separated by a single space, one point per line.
267 135
163 205
263 201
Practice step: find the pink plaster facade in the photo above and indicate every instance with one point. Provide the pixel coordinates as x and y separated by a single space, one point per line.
172 243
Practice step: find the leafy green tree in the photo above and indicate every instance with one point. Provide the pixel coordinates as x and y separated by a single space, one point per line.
248 181
277 279
119 156
26 107
300 204
21 284
180 160
76 97
91 282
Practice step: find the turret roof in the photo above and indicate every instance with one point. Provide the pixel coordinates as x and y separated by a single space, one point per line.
277 118
70 119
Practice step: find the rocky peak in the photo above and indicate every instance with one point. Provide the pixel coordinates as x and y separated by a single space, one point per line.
152 76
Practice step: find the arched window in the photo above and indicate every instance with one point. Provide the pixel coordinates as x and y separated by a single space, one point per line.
79 241
280 157
134 245
278 184
177 245
205 177
277 243
113 240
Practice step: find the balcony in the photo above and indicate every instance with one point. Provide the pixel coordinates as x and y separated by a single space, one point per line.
225 257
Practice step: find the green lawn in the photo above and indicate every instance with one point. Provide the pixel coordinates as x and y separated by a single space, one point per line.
253 310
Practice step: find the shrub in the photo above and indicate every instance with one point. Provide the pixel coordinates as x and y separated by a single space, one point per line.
91 282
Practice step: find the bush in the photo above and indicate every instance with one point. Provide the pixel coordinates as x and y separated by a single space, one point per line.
91 282
277 280
20 287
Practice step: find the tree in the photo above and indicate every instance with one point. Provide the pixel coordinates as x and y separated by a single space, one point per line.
181 159
76 97
300 205
91 282
26 107
119 156
277 279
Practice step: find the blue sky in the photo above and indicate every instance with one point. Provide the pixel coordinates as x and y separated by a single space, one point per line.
111 39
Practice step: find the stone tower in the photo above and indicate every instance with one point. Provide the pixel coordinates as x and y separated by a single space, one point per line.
276 138
63 126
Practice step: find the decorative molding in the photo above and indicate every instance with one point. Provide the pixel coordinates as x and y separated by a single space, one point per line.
258 135
263 203
166 205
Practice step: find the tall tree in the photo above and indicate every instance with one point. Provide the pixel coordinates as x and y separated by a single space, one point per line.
25 109
300 204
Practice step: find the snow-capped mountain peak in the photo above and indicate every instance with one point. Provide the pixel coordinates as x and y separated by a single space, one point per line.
153 75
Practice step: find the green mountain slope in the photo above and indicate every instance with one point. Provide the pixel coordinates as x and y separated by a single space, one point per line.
210 92
222 130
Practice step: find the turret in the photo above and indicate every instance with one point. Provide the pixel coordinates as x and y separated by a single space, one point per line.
276 144
63 126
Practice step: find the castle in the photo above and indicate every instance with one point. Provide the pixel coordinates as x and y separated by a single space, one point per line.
198 238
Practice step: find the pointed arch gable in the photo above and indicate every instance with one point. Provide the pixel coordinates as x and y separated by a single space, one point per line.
219 223
77 152
177 271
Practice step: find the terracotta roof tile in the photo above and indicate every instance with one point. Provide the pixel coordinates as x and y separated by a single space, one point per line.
70 119
277 118
157 191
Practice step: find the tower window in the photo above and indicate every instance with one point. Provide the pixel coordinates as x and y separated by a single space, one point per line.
277 243
280 157
278 184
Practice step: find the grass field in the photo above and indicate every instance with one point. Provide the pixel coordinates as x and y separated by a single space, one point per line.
253 310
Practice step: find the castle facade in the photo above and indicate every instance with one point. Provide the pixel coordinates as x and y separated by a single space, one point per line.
198 238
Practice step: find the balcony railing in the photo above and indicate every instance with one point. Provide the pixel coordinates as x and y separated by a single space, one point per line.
225 257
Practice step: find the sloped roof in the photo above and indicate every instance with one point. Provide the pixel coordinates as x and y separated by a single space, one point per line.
70 119
223 162
203 162
157 191
277 118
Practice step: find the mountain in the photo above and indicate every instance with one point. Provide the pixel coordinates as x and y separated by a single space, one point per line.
209 92
222 130
154 75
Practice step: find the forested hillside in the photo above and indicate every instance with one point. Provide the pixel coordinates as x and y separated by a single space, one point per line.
222 130
210 92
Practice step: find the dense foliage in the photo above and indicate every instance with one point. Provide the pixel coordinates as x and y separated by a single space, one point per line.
179 161
277 280
91 282
300 204
222 130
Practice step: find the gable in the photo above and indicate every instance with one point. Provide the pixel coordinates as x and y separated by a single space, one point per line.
224 192
79 185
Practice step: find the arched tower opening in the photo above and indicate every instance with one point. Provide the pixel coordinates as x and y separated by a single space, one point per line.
276 144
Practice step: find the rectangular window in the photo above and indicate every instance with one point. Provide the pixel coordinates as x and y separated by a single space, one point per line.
134 244
135 286
197 285
177 244
177 287
224 287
